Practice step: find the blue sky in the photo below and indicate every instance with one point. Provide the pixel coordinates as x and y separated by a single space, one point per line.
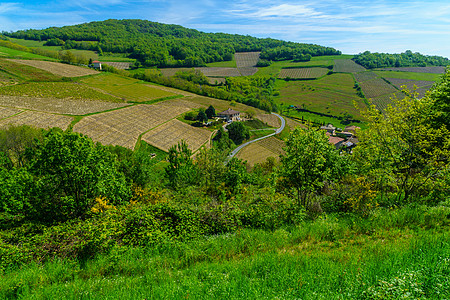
350 26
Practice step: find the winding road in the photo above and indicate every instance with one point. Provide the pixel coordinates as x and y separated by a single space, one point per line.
235 151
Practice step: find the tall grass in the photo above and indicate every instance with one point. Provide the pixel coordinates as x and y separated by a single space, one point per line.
329 258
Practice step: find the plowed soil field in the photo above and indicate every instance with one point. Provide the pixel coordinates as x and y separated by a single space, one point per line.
38 119
172 132
58 68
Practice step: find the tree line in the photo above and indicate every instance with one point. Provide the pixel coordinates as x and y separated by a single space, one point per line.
407 59
162 45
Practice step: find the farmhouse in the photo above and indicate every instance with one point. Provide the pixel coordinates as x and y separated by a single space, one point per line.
329 128
97 64
352 129
230 115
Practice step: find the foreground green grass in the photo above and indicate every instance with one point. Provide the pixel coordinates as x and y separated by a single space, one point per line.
400 254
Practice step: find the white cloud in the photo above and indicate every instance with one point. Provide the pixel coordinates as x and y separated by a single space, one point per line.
8 7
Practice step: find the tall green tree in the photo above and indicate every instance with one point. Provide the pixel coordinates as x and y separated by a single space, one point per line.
71 171
440 96
181 170
309 162
402 149
238 132
210 112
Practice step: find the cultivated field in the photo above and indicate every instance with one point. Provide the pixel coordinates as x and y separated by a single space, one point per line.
409 75
398 82
292 123
220 72
118 65
246 59
364 76
57 90
221 105
37 119
333 94
128 89
303 73
248 71
347 66
172 132
433 70
7 111
382 102
269 119
259 151
25 72
123 126
376 87
59 69
61 106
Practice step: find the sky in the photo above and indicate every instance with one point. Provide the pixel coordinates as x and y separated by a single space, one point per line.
350 26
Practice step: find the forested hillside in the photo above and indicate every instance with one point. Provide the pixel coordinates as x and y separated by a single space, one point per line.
407 59
156 44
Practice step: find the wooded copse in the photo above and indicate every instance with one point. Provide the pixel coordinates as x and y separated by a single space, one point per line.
161 45
407 59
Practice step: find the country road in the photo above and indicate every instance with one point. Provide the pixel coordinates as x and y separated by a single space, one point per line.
235 151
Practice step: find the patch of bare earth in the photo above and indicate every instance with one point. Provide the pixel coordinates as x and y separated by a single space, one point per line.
7 111
269 119
61 106
172 132
37 119
122 127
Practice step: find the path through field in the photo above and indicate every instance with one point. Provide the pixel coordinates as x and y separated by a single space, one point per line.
235 151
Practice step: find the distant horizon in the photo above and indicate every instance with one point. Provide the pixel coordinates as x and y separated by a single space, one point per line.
349 26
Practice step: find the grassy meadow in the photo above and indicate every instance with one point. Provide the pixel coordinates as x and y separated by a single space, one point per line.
400 254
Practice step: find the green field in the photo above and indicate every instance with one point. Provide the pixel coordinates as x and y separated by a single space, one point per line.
27 73
408 75
12 53
128 89
333 94
87 53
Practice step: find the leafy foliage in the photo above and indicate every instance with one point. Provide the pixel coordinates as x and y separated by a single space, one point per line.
156 44
238 132
309 162
407 59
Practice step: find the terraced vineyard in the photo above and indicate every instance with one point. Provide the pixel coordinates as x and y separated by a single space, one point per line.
431 70
303 73
382 102
347 66
269 119
122 127
61 106
172 132
58 68
57 90
7 111
118 65
376 87
365 75
246 59
37 119
258 152
220 72
333 94
128 89
409 83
